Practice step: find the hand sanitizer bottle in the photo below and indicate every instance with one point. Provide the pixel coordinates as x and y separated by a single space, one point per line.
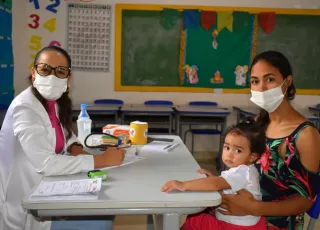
84 124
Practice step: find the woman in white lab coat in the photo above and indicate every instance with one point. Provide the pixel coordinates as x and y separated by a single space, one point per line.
36 140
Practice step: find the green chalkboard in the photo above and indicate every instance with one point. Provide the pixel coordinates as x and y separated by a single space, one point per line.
297 37
149 53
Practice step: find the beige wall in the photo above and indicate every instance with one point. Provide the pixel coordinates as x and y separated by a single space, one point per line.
101 85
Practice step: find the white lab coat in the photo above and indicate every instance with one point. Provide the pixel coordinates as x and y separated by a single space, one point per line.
27 152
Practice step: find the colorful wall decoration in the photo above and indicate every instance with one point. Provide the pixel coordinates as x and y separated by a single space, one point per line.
6 54
35 23
218 49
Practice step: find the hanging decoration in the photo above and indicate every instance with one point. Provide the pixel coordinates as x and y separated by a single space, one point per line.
240 20
214 36
267 21
217 79
208 19
191 74
225 19
241 75
169 18
191 18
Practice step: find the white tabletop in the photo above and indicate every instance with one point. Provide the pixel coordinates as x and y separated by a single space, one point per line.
138 185
146 109
304 112
201 109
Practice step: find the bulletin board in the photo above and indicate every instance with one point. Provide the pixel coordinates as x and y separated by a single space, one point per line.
136 79
6 54
220 58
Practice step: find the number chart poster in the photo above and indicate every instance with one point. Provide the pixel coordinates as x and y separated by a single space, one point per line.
46 25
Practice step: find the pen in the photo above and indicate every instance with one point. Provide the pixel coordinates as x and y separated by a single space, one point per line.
172 147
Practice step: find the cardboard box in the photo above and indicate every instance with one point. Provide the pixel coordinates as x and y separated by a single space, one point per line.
120 131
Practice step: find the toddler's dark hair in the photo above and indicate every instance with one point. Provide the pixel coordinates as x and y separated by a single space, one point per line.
251 130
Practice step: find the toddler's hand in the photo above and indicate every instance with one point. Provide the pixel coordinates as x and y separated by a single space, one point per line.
173 185
204 171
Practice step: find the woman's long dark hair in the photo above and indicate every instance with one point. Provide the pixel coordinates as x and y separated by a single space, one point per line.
64 102
279 61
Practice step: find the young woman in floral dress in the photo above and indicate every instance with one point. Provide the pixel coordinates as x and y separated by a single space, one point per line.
289 167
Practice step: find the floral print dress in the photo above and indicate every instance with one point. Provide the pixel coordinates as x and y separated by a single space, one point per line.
283 177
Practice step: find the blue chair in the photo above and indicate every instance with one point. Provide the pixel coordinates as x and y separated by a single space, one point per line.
101 119
108 102
315 210
318 105
194 132
158 103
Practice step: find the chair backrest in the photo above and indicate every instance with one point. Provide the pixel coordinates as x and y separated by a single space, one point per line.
203 103
3 107
108 101
318 105
315 210
159 102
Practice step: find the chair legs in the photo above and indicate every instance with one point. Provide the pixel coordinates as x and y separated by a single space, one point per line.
192 144
185 139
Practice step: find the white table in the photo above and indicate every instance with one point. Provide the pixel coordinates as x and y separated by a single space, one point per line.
153 114
135 189
254 111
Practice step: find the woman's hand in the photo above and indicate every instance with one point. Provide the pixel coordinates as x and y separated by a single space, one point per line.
241 204
204 171
76 150
173 185
111 157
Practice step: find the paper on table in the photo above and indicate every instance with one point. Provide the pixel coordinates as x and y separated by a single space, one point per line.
159 146
66 190
128 159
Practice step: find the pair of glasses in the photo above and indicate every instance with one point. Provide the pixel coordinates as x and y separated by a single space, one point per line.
44 69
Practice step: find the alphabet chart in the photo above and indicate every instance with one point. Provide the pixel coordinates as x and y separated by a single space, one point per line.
35 23
89 36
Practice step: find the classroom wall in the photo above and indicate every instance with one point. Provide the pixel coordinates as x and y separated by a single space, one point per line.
87 86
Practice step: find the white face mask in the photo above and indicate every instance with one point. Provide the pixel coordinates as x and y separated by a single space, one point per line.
50 87
268 100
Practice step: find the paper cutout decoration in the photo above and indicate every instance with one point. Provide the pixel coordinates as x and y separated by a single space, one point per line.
169 18
240 20
214 36
217 79
267 21
225 19
241 75
191 18
208 19
191 74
